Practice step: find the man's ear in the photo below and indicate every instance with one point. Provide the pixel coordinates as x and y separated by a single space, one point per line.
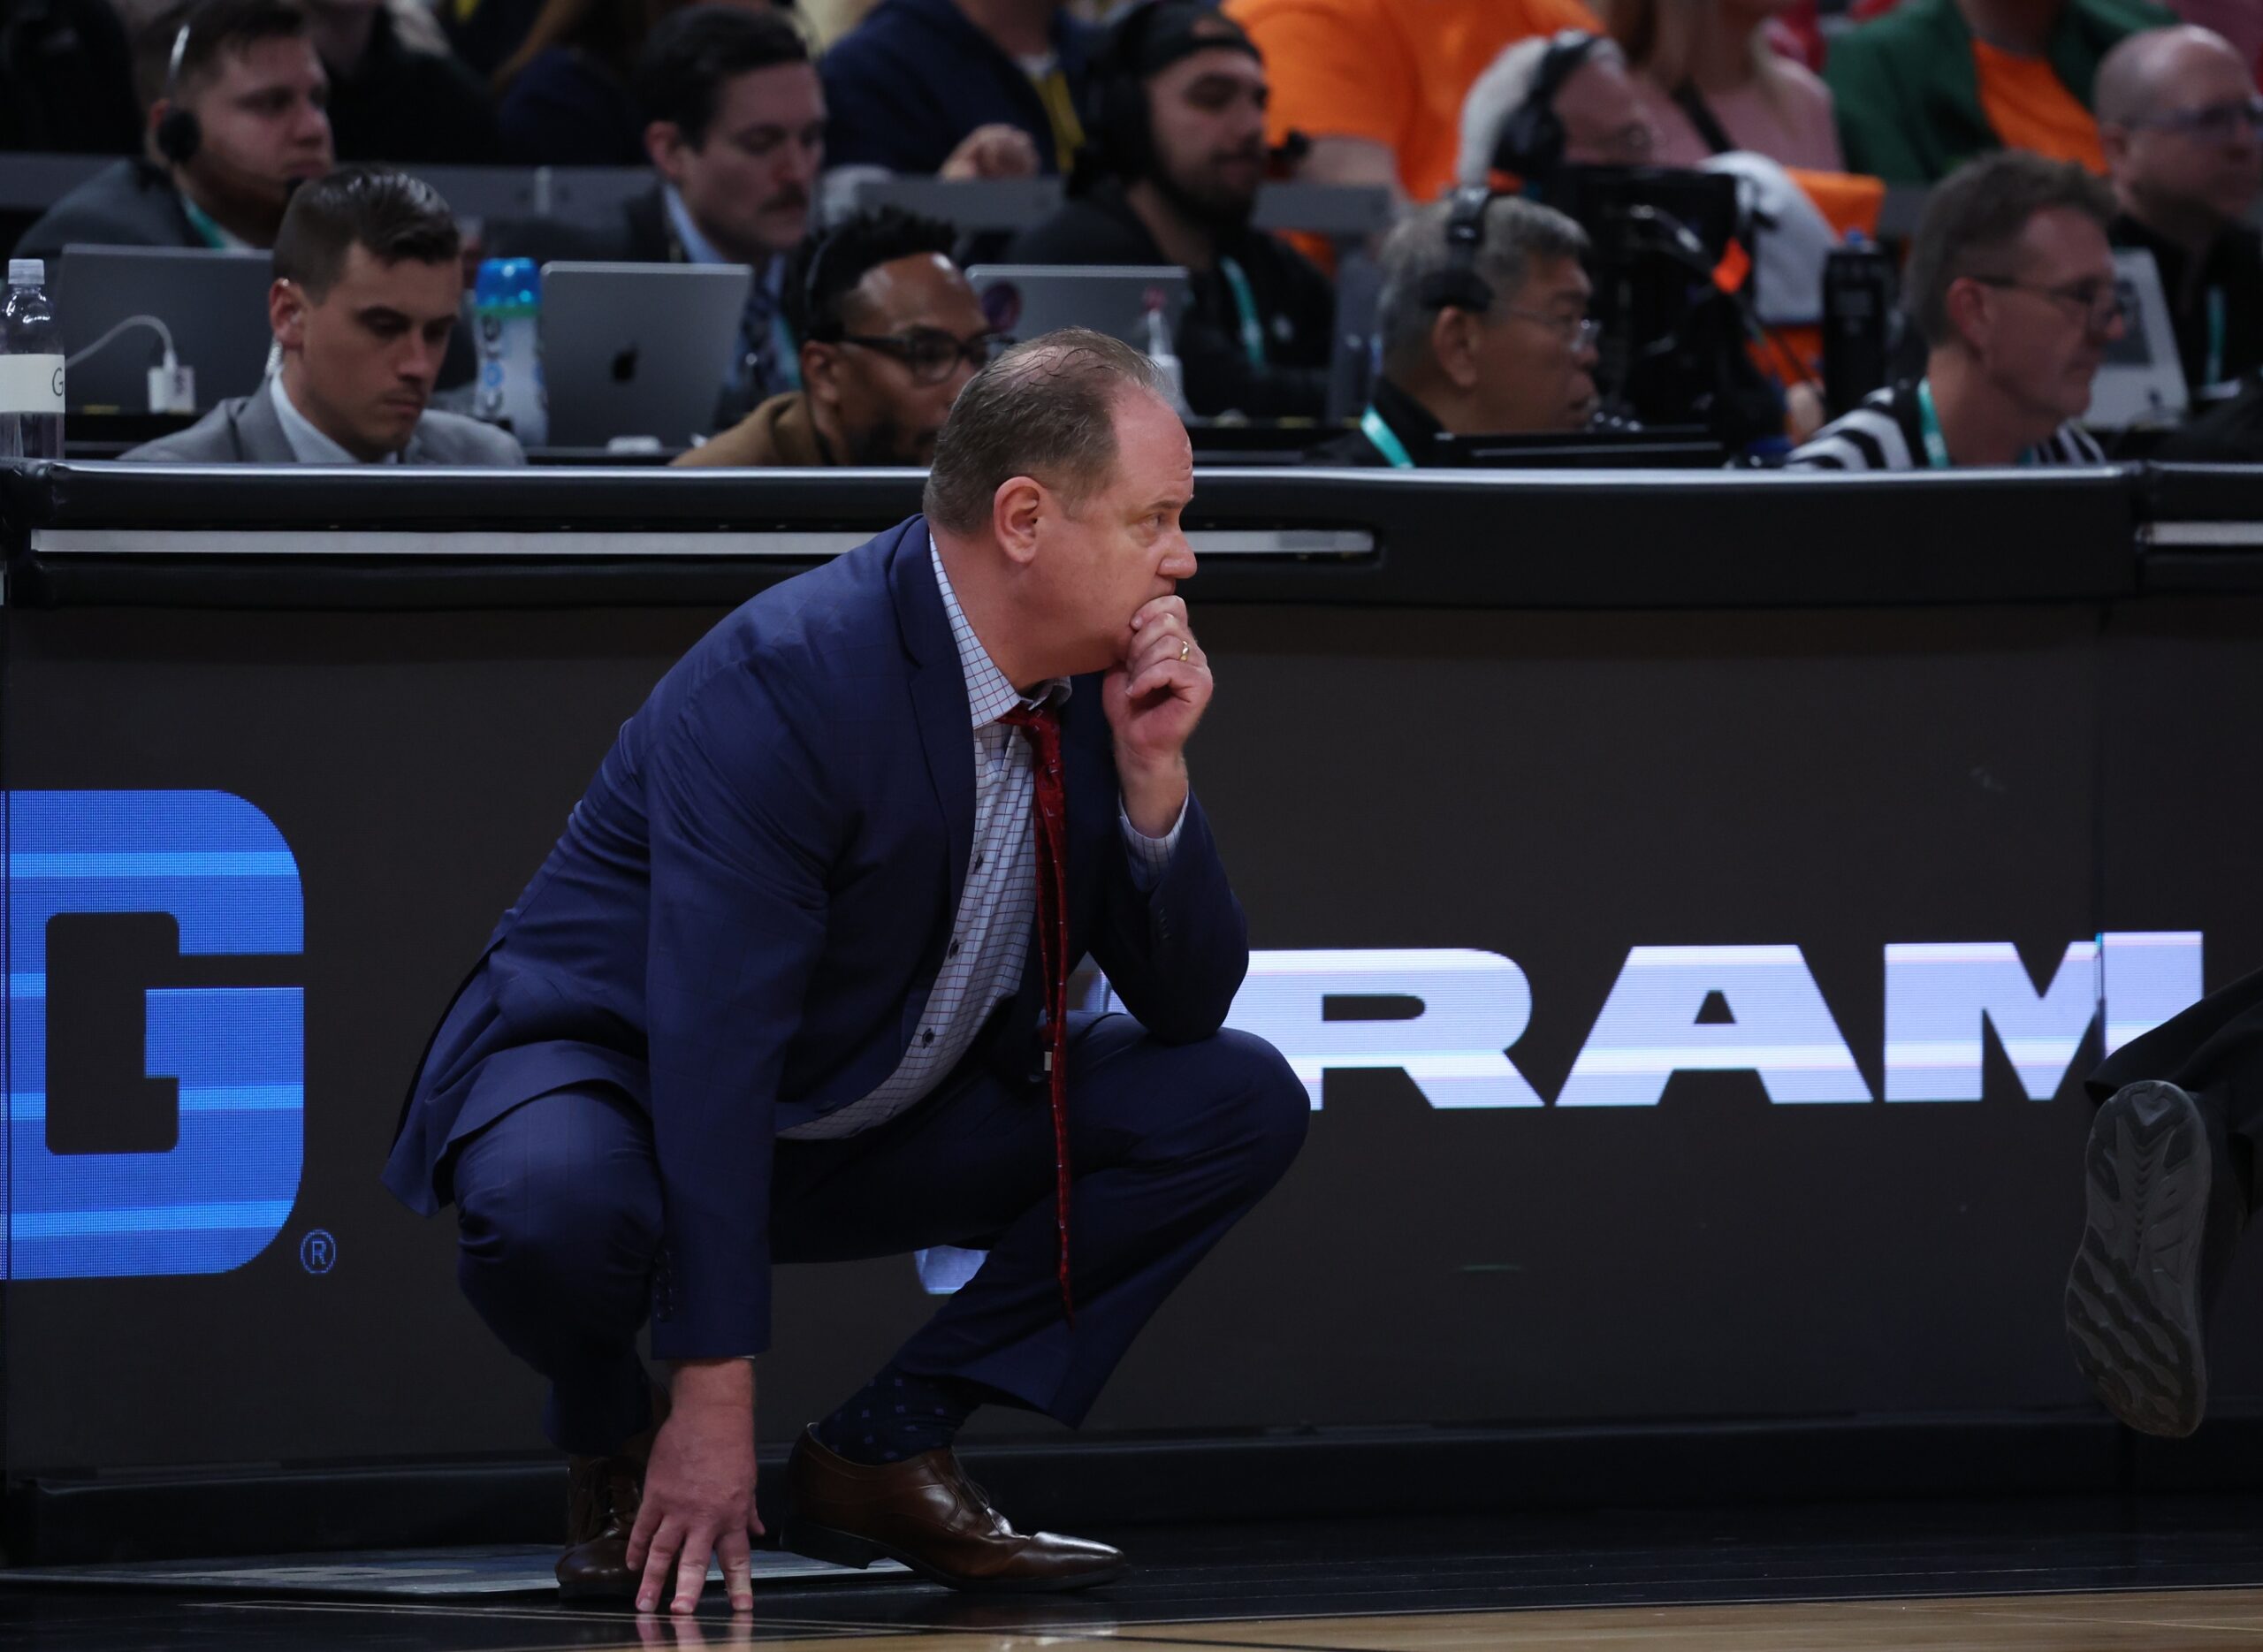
821 372
664 144
1015 510
286 313
1967 303
1453 344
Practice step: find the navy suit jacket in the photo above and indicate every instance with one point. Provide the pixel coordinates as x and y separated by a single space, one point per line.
741 925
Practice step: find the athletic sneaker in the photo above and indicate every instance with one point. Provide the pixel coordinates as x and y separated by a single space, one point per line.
2164 1213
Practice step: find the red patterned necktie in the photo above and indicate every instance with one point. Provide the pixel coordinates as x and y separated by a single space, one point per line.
1041 725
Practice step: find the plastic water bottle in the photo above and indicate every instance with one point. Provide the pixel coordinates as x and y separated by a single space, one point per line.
1165 359
505 310
31 367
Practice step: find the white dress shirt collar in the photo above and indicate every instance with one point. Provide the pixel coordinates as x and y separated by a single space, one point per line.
990 694
310 445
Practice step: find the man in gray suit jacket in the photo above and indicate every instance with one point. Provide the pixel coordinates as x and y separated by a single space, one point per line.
368 285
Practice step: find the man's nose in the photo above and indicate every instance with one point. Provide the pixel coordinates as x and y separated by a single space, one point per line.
1178 561
419 361
312 125
797 163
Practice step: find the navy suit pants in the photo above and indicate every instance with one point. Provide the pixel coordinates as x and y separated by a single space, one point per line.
559 1211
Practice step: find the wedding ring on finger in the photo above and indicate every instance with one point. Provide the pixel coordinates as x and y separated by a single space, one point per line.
1185 647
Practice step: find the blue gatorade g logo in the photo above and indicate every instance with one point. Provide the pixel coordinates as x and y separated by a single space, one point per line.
155 1056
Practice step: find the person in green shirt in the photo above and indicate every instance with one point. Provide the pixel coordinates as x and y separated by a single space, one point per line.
1934 83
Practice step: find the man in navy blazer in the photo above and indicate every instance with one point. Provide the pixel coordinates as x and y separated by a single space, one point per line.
776 996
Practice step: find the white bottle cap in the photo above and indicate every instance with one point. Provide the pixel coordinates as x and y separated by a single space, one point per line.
27 272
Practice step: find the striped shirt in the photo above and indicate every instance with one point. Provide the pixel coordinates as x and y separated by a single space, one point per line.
997 912
1885 433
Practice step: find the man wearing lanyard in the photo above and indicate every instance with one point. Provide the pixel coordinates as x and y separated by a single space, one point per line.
235 98
737 138
1483 325
1177 152
2011 281
2178 115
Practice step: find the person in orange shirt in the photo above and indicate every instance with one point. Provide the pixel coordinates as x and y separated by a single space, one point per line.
1377 85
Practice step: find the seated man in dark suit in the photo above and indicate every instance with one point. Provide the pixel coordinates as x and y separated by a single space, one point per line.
890 333
1179 153
792 986
367 282
736 133
2182 127
235 97
1500 345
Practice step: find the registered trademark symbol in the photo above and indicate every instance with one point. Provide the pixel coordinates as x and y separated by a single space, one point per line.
318 1251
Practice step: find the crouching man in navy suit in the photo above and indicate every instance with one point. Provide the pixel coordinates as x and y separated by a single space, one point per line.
790 988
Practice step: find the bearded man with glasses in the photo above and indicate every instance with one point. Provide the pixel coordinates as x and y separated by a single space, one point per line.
2179 118
890 332
2010 280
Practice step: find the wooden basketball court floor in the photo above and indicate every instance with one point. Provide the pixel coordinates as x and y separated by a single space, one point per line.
2161 1575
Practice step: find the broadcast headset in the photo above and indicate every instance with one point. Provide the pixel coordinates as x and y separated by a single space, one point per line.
1531 142
178 136
1141 44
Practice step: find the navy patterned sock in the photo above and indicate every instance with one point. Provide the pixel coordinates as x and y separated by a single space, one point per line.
897 1415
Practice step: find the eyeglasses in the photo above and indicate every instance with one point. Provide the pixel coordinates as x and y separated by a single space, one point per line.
2215 124
2100 304
1579 332
930 352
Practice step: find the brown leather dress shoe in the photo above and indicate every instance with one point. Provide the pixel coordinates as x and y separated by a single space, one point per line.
926 1513
601 1511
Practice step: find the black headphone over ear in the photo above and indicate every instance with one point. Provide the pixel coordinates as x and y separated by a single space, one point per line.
1459 285
178 136
1531 142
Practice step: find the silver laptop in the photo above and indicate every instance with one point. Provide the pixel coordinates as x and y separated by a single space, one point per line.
214 304
2141 381
1027 300
638 350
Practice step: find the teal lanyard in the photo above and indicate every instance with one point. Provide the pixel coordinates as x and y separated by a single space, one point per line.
1929 426
1253 330
1386 440
785 359
200 221
2216 336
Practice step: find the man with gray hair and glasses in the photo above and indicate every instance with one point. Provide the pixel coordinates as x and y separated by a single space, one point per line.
2178 116
1484 330
2010 280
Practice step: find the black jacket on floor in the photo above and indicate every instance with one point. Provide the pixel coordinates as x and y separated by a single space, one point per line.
1296 306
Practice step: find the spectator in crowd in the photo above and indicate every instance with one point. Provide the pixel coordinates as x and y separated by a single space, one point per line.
66 78
1490 343
1932 83
1565 100
966 88
368 281
890 332
1172 178
1712 83
737 138
397 93
569 100
2010 281
2179 114
1376 86
234 96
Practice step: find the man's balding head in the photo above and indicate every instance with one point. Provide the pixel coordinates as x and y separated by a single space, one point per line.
2175 113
